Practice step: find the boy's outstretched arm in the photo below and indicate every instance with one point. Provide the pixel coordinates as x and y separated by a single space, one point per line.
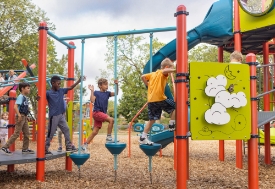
92 97
143 78
76 83
116 84
168 70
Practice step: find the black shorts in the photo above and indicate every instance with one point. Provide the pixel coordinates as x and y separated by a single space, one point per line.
155 108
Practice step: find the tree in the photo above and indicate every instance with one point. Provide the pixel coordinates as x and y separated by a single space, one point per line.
132 55
19 20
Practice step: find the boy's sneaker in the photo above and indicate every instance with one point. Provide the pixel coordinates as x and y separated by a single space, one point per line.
47 152
145 141
28 151
71 148
59 149
6 151
110 140
84 149
172 127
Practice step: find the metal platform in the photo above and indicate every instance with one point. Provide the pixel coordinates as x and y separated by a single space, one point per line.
18 158
265 117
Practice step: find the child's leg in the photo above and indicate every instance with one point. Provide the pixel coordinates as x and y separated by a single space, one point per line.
65 130
26 133
92 135
169 106
99 117
15 135
110 120
53 122
59 138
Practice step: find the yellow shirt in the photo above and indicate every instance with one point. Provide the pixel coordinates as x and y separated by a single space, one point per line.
156 86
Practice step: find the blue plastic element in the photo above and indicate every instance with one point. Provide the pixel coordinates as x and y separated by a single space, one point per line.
139 127
111 34
79 159
216 26
150 150
115 148
58 39
166 137
156 127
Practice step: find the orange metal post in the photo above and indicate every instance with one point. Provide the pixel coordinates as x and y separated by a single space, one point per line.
69 165
175 141
221 142
12 96
267 156
42 61
253 174
160 153
21 136
182 98
237 46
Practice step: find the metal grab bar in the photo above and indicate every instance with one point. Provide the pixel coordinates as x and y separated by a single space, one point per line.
264 65
265 93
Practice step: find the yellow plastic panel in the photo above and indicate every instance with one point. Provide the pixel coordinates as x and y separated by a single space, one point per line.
220 101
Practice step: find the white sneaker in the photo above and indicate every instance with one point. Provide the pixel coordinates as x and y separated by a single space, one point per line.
84 149
145 141
110 140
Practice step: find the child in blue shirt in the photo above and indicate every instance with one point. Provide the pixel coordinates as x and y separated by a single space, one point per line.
56 113
100 100
21 108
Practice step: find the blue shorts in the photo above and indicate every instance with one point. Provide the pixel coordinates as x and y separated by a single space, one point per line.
155 108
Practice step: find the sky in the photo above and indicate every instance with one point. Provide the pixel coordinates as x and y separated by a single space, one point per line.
99 16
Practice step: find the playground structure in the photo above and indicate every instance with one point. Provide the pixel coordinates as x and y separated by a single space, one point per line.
221 34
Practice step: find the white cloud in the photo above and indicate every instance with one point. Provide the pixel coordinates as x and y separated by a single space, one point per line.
215 85
231 100
238 100
217 115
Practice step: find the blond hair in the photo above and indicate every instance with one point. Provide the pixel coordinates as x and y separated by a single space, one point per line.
4 113
166 62
102 81
236 55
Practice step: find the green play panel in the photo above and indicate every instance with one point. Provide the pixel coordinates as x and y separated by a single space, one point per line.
220 101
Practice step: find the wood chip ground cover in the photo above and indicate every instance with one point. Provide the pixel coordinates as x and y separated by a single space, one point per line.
205 169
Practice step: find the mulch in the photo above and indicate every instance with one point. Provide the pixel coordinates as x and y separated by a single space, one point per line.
205 169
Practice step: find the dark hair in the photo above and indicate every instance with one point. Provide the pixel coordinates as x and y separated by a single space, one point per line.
55 78
102 81
23 85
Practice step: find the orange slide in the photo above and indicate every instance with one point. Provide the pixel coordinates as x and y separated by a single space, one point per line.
22 75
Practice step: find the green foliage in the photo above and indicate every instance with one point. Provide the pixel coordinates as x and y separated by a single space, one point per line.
133 53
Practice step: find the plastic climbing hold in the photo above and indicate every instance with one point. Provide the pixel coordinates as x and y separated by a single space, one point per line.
79 159
150 150
115 148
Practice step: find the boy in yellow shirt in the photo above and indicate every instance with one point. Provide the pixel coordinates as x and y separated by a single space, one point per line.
157 101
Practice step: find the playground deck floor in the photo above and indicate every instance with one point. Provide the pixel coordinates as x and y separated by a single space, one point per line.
18 158
205 169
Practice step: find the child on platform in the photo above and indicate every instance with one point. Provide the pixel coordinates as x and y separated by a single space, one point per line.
236 57
21 108
157 101
56 113
3 128
100 100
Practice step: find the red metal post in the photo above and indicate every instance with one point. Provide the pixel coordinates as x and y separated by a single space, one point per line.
182 98
69 165
266 74
221 142
21 136
42 61
253 174
12 96
237 46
